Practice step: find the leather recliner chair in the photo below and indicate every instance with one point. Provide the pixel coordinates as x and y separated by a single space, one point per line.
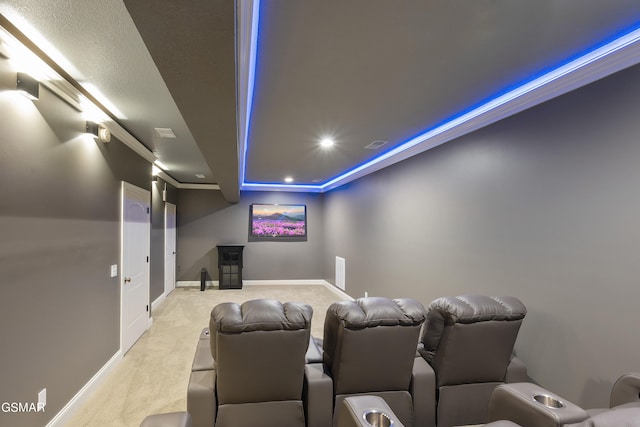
530 405
369 348
258 374
468 341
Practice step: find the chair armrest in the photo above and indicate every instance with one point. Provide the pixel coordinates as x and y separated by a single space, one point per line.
423 392
314 351
352 410
317 396
516 402
516 371
502 423
626 417
205 334
625 390
201 398
202 359
172 419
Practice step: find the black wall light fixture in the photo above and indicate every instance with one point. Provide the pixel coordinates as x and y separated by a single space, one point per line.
28 86
99 131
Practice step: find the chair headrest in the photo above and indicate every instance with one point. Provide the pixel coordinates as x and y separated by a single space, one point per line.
377 311
260 315
476 308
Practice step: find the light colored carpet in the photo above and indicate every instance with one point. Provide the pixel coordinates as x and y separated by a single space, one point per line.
152 377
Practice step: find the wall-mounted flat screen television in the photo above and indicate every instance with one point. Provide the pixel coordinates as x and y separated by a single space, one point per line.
278 221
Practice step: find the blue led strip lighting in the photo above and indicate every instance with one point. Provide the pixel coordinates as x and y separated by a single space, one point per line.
590 58
255 19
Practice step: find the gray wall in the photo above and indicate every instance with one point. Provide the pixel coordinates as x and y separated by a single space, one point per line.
60 232
544 206
157 235
205 220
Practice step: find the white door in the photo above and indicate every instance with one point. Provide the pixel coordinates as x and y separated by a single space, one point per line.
169 248
135 264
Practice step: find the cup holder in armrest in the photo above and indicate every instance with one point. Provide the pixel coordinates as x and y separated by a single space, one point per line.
548 401
375 418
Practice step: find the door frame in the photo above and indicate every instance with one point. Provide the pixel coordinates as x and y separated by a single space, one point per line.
167 205
127 187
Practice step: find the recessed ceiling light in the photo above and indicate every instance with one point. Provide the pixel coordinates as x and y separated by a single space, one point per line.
327 142
165 132
288 179
200 175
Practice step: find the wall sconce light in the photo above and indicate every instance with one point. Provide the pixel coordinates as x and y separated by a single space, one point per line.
28 86
100 131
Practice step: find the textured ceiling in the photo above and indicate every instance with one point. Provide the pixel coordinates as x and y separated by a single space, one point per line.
355 70
194 49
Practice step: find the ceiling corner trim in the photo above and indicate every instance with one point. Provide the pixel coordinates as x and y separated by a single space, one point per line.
168 179
603 61
198 186
282 187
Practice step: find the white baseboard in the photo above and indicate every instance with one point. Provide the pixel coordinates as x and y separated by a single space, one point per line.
337 291
245 282
195 284
156 303
301 282
187 284
63 417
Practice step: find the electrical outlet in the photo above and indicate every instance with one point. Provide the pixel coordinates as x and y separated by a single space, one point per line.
114 270
366 294
42 399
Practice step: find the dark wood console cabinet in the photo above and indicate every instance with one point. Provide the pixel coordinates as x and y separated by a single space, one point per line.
230 266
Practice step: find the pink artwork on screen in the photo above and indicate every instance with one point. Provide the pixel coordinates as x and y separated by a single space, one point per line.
278 220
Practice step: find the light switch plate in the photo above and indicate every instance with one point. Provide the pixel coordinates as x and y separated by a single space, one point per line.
42 399
114 270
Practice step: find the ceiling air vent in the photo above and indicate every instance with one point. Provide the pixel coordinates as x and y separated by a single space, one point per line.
375 145
165 133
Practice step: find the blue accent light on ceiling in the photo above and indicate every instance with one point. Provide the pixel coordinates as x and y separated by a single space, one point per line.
255 20
623 39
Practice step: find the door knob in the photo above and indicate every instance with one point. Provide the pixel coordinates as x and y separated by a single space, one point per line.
127 279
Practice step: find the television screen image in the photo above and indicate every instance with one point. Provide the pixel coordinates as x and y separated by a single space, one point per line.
278 220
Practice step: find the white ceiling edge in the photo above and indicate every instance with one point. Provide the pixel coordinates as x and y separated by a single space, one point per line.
293 188
198 186
595 65
186 186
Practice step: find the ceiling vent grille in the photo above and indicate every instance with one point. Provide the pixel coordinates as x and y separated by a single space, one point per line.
165 133
375 145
